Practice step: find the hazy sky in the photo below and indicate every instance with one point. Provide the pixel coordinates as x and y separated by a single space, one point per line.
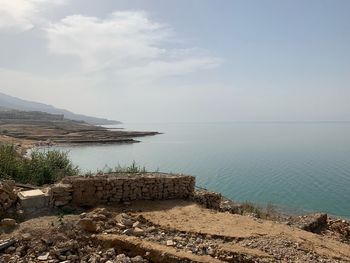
180 60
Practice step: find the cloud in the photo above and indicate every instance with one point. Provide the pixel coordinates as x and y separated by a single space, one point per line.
127 43
23 14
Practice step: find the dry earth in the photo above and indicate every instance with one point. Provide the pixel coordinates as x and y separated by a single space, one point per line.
166 231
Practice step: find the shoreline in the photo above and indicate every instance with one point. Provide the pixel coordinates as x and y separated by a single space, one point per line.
192 226
26 135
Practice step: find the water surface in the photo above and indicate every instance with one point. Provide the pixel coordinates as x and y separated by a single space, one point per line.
297 165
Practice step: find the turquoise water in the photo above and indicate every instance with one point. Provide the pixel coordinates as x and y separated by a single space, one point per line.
303 166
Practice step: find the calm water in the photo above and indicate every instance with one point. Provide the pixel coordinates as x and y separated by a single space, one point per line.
304 166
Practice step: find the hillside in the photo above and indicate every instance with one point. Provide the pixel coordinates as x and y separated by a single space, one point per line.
10 102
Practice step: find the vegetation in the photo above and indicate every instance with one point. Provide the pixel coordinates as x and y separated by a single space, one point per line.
264 213
133 168
38 169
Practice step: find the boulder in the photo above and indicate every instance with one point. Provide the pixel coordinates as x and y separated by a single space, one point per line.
314 222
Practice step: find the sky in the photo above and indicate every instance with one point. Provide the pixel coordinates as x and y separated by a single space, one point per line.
180 60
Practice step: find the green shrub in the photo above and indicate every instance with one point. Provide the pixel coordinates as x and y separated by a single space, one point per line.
11 164
132 168
40 168
50 166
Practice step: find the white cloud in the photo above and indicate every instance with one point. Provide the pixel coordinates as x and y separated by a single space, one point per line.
124 44
22 14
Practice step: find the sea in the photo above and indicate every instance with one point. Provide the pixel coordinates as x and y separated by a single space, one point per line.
299 167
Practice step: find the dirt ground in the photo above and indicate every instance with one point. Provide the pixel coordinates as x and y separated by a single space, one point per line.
190 217
179 231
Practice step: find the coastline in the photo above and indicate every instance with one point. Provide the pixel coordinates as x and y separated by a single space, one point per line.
176 226
25 135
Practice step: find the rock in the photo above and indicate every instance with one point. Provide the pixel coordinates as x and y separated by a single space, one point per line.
124 219
82 215
44 256
87 225
138 231
128 232
170 243
26 236
123 259
207 199
126 216
136 224
137 259
7 194
110 253
33 199
151 229
8 223
210 251
341 227
313 223
120 226
126 222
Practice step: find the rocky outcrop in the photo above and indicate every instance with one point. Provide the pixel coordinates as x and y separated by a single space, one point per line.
7 195
341 228
313 222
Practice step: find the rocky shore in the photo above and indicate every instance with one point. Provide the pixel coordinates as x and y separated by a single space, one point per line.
29 133
196 227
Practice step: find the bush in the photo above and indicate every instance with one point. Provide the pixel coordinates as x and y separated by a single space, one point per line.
133 168
40 168
11 164
49 167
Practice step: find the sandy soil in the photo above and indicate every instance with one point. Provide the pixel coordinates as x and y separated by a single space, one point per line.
189 217
233 238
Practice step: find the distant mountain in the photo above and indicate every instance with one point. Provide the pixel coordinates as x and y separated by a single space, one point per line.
10 102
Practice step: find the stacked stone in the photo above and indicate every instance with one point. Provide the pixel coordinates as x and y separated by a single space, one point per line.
99 189
7 195
208 199
61 194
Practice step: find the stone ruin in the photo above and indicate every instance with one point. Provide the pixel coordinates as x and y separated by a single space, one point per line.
207 199
101 189
7 195
108 188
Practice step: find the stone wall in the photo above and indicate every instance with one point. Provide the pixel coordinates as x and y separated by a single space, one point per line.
100 189
207 199
7 195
